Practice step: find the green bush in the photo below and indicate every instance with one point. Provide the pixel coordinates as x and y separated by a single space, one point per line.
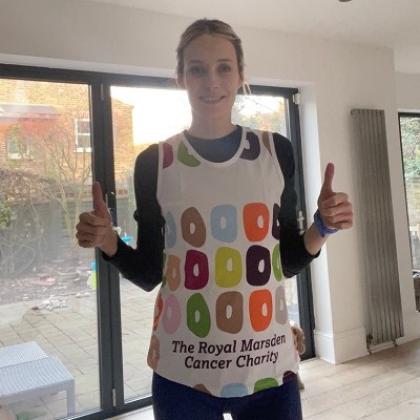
5 215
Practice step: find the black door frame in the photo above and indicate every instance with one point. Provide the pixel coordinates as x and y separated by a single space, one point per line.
109 314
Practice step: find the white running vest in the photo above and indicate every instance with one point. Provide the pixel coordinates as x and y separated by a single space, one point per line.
220 323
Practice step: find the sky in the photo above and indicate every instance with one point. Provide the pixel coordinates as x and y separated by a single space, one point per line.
151 104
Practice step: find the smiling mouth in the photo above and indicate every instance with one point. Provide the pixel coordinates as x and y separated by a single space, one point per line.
212 100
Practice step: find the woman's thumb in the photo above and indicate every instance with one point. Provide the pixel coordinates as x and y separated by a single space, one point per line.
99 206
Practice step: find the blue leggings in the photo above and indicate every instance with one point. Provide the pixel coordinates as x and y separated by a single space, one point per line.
173 401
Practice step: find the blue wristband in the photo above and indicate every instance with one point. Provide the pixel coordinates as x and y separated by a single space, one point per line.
319 223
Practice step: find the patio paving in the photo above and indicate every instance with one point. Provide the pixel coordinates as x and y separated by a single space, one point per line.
69 333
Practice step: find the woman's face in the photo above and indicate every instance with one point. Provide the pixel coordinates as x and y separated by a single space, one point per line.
211 76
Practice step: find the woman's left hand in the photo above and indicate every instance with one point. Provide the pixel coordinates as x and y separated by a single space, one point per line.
335 208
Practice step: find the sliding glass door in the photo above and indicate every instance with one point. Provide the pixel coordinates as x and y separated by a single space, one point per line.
65 308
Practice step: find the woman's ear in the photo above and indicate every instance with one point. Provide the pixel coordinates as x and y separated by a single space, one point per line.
246 90
244 86
242 81
180 82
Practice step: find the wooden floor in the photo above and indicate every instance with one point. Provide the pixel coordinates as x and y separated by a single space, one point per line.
382 386
385 385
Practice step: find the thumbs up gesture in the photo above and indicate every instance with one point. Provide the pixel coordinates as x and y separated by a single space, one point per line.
95 227
335 208
100 208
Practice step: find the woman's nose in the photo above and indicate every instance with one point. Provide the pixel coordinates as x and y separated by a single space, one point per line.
212 79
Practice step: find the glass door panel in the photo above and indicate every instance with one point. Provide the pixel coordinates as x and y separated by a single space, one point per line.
48 314
410 144
140 117
268 112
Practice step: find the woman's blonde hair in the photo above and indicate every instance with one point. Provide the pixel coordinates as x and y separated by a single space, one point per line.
211 27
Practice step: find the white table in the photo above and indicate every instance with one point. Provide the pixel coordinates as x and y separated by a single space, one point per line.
26 372
19 353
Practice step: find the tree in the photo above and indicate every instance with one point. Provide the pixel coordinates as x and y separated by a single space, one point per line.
52 169
5 214
410 138
263 118
59 160
21 229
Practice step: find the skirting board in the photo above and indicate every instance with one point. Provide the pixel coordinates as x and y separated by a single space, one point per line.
341 347
400 341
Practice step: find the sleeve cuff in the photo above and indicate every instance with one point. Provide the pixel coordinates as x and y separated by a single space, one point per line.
121 250
296 257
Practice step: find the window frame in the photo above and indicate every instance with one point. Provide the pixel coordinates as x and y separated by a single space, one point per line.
77 134
18 156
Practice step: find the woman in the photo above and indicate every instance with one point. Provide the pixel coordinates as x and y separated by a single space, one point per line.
216 212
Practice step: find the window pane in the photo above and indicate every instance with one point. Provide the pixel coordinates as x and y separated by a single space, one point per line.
83 141
13 145
268 112
47 283
83 126
140 117
18 146
262 112
410 141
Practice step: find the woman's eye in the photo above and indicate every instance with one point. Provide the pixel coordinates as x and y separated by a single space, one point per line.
196 71
225 68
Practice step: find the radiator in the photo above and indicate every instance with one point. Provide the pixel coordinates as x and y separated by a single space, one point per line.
379 250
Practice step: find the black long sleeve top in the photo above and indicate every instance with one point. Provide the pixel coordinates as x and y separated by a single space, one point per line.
143 265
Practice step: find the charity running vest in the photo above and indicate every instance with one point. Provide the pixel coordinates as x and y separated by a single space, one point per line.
220 322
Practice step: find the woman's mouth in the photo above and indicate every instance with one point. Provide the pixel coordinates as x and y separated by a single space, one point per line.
211 100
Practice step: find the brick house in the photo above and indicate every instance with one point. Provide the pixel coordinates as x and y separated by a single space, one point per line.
42 122
45 168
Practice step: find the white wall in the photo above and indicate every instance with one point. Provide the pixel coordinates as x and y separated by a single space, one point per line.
408 91
334 78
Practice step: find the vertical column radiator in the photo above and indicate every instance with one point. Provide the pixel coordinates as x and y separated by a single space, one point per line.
377 226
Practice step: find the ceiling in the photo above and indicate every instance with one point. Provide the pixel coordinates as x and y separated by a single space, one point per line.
391 23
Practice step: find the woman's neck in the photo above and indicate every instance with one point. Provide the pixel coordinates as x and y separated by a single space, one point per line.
211 129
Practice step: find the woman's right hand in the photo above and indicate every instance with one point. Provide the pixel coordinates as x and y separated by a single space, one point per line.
95 227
